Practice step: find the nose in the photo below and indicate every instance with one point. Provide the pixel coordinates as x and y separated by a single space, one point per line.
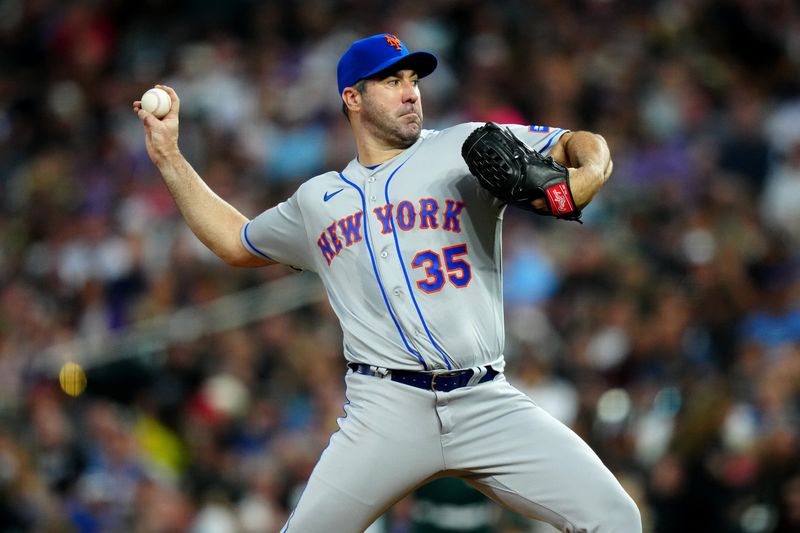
410 94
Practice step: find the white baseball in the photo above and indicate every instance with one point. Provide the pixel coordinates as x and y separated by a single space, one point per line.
156 101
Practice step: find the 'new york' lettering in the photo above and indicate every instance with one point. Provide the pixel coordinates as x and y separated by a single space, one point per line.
406 215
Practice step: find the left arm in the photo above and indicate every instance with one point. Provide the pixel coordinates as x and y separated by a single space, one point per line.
587 156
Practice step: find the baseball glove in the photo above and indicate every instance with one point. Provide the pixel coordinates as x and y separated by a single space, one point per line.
517 175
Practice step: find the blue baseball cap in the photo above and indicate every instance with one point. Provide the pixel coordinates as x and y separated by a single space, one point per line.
372 55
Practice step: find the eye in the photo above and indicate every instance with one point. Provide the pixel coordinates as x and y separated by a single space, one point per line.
393 82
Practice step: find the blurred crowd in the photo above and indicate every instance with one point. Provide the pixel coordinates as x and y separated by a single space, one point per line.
665 329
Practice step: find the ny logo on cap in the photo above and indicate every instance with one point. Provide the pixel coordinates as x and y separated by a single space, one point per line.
393 41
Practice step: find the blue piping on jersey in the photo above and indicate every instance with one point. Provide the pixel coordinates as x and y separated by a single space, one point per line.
377 276
252 247
405 272
288 521
550 141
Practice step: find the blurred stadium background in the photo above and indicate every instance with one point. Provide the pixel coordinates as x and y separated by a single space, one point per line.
665 330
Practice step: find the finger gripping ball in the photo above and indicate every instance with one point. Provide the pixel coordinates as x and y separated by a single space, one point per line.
156 101
72 379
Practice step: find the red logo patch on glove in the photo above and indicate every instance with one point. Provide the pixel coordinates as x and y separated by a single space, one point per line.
559 199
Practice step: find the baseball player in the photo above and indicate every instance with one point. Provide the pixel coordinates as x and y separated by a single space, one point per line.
407 243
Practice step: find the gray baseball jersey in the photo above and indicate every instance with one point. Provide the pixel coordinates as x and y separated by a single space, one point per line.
409 253
400 248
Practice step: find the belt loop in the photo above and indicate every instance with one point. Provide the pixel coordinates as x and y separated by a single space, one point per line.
477 374
380 371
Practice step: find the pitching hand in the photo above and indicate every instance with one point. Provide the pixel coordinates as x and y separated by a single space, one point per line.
160 135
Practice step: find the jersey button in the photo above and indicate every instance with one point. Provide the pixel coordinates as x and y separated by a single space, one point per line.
372 198
384 254
372 179
397 292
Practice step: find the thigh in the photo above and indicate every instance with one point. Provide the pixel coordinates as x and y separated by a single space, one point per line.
387 444
527 460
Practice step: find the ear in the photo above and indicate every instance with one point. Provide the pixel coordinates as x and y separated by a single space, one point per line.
351 98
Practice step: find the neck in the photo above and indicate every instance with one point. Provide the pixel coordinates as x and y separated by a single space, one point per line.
371 152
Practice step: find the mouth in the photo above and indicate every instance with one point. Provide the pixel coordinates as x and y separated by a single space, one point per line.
412 115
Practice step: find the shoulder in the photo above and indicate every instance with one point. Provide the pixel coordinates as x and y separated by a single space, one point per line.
540 138
453 136
320 182
459 130
465 128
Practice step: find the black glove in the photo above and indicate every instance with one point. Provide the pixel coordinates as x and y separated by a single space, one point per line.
517 175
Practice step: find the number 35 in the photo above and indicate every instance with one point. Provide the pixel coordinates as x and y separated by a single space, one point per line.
459 272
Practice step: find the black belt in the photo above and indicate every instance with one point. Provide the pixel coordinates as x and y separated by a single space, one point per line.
442 382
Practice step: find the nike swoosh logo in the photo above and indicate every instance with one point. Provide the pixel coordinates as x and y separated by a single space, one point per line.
329 195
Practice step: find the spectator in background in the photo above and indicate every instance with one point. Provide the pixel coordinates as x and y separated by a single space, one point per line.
700 102
780 201
449 505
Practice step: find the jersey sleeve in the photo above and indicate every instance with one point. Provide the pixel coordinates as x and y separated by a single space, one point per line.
279 234
540 138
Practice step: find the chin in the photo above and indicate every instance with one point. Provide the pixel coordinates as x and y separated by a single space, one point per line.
414 126
412 133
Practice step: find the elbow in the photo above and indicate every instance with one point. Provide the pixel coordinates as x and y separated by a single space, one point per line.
243 259
238 256
233 260
600 157
609 169
605 157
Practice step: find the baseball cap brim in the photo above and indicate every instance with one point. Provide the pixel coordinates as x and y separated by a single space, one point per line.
421 62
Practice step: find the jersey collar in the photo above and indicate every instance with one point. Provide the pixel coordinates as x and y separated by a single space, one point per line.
355 168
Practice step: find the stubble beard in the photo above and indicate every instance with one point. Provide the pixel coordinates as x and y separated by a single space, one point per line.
396 131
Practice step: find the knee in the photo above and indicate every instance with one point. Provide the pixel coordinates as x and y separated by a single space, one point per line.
622 516
613 511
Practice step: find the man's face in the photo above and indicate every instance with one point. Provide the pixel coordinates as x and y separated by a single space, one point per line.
391 109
